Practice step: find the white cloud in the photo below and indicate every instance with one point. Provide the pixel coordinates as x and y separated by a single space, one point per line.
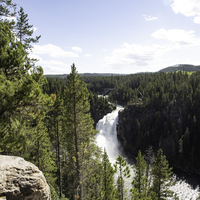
177 36
51 66
104 50
55 67
33 56
53 51
140 58
189 8
87 55
135 55
9 18
35 29
53 63
149 18
186 7
197 20
77 49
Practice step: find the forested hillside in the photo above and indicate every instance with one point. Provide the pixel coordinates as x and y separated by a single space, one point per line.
82 75
182 67
162 109
164 112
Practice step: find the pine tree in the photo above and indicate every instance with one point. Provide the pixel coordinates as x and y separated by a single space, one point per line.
21 96
7 11
121 166
25 30
162 174
38 149
54 120
139 189
19 24
108 179
150 159
78 127
92 172
23 105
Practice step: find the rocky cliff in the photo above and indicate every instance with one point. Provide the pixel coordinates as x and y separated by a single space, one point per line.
97 112
133 120
21 180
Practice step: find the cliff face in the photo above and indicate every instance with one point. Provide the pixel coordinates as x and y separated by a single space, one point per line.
129 130
98 113
170 127
21 180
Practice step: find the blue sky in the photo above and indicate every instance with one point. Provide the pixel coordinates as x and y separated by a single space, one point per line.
114 36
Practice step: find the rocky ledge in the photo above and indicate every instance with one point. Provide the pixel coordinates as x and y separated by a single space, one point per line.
21 180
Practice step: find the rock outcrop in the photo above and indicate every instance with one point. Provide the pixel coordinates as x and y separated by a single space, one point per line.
97 112
22 180
140 127
127 132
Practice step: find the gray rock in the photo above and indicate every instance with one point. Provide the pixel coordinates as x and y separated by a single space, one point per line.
22 180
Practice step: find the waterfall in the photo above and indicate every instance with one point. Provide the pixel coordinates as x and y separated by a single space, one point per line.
107 135
107 138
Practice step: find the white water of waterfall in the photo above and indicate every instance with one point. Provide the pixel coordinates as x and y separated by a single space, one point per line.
107 138
107 135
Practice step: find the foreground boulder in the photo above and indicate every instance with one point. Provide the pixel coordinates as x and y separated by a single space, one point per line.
21 180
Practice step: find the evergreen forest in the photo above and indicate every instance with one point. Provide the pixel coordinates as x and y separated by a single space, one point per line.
51 122
161 110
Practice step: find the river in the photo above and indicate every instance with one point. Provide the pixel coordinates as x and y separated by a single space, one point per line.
107 138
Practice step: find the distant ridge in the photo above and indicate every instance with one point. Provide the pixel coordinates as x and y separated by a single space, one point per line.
56 75
84 74
182 67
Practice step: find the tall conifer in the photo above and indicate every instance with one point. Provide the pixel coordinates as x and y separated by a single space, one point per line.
139 190
78 126
108 179
123 169
21 98
25 30
7 12
161 175
54 120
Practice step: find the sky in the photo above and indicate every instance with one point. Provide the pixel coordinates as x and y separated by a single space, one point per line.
114 36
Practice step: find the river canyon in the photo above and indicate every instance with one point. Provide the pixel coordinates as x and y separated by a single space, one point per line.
107 138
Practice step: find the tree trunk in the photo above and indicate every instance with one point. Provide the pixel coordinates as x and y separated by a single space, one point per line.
76 147
59 165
